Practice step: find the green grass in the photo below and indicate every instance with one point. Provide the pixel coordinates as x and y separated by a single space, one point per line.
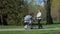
44 26
55 25
32 32
3 27
55 22
52 26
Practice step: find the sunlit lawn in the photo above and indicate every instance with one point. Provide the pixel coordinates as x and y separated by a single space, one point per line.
31 32
55 25
44 26
3 27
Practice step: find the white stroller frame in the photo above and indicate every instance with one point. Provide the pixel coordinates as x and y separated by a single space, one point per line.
29 25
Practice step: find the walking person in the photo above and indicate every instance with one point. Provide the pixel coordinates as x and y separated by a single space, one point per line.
39 19
28 21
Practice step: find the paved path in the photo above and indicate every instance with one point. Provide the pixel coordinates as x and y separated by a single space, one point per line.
19 29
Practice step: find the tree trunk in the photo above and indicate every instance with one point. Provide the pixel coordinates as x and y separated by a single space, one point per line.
3 17
48 12
58 13
0 20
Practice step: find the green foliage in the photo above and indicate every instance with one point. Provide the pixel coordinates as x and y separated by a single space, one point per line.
14 12
55 9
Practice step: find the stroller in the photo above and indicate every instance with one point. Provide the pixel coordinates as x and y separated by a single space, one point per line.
29 24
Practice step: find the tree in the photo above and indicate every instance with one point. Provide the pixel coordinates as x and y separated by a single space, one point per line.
48 12
2 17
13 11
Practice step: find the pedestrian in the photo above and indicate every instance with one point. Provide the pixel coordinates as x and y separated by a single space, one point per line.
39 19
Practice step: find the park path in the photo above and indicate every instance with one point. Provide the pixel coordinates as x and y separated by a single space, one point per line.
19 29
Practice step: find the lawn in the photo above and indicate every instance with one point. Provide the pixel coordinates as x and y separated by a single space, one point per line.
52 26
44 26
55 25
32 32
4 27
